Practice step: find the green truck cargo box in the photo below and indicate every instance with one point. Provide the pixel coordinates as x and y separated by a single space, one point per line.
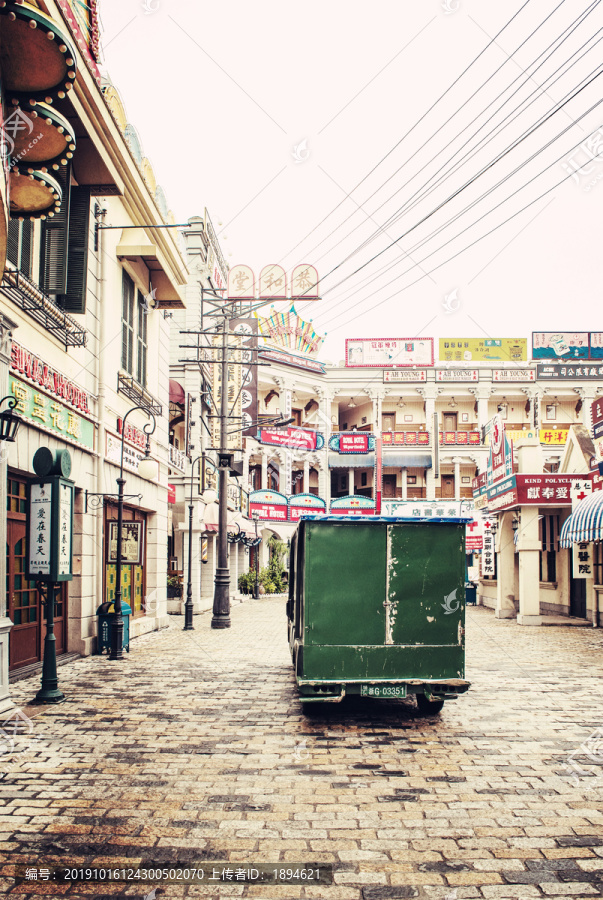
377 607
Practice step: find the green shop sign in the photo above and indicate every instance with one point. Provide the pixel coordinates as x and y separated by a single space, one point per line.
50 414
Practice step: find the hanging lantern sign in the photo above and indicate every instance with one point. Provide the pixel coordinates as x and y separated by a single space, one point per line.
241 283
304 283
273 283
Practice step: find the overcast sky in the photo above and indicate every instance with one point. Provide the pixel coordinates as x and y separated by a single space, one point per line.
306 128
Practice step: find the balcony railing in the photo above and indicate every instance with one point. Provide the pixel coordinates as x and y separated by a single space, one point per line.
135 392
28 297
176 458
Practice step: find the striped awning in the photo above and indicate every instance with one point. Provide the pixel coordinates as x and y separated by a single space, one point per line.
585 523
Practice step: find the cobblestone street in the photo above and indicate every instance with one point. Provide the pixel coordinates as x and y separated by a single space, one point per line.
195 749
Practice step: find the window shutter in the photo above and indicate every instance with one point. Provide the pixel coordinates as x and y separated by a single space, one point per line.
53 246
74 298
127 323
26 241
12 241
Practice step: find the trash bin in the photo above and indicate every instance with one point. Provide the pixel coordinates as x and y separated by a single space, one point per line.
470 593
105 614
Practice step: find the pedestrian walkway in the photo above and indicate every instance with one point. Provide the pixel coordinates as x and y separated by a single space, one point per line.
195 749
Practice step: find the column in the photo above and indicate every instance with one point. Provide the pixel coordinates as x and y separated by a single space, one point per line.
208 571
264 471
6 704
306 482
429 394
587 396
350 481
457 477
377 398
324 481
529 547
233 565
505 565
405 484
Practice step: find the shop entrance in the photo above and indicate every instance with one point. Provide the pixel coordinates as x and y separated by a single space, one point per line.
389 486
448 486
577 592
24 607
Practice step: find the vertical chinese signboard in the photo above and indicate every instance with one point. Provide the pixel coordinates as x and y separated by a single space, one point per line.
50 529
488 555
583 560
247 331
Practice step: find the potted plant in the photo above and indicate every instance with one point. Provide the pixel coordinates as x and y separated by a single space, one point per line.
174 586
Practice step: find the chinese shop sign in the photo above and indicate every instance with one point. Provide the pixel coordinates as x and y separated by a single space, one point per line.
582 560
49 414
50 529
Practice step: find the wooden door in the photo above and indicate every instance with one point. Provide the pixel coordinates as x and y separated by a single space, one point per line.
577 592
24 607
448 486
389 421
450 420
389 486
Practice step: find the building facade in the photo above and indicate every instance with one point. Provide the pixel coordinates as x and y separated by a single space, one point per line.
90 271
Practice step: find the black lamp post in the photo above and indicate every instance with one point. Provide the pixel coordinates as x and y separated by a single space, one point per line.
188 606
256 518
9 420
144 470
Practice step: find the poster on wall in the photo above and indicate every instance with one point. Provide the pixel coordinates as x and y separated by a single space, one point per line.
564 345
388 352
131 543
483 349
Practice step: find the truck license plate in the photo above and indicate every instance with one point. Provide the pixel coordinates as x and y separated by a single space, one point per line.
383 690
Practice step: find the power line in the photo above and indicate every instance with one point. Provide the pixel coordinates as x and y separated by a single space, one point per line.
397 262
408 205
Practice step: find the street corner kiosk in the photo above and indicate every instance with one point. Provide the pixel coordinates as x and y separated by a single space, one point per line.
377 608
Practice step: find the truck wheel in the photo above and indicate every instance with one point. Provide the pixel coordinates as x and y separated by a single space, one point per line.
431 707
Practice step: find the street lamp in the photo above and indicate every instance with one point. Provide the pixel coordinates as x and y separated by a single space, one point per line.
256 518
9 420
147 468
207 497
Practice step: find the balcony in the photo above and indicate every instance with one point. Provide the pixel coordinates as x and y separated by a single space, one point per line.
176 458
28 297
135 392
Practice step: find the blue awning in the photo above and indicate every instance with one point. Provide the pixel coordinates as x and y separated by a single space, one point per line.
407 460
585 523
351 460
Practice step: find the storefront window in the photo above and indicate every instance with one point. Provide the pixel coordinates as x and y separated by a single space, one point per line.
598 562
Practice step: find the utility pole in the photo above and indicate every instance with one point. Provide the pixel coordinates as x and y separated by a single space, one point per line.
221 609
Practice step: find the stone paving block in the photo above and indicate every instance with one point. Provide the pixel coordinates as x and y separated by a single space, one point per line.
480 789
